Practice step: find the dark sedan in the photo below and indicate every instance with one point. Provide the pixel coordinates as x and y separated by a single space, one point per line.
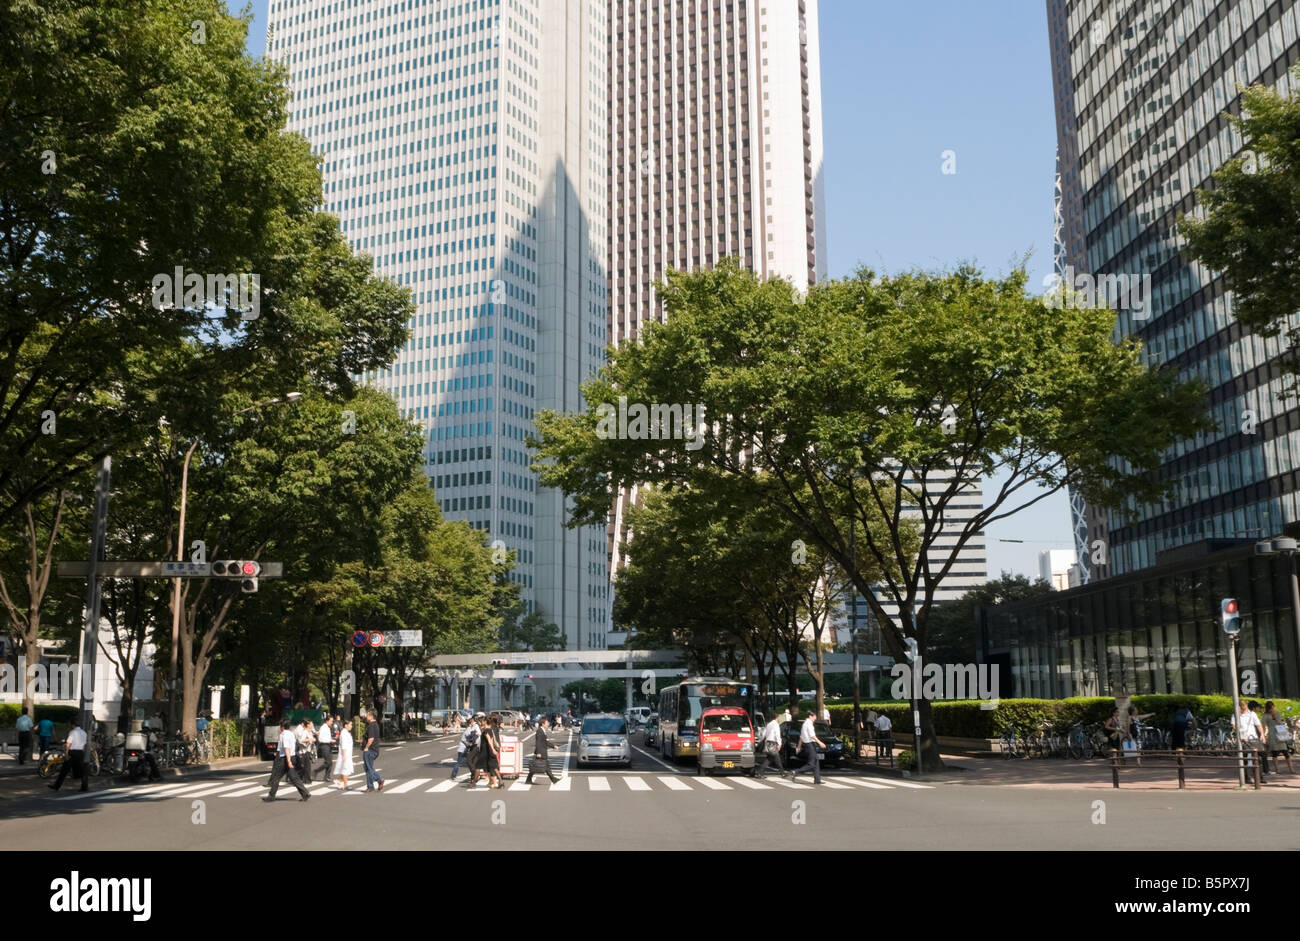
831 755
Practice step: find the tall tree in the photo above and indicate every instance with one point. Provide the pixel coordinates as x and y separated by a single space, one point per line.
878 401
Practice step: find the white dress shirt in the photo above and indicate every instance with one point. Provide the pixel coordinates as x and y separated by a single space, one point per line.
323 736
808 732
77 739
883 723
288 743
772 733
1248 726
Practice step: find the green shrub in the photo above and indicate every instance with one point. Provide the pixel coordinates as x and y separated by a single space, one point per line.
906 759
59 715
966 718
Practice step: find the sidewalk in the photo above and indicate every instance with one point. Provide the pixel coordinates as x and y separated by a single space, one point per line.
17 779
1095 774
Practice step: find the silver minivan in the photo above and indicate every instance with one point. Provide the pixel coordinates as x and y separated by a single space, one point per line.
603 740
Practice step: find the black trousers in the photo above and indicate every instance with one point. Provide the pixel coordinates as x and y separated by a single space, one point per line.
540 765
770 757
77 762
24 746
326 753
279 770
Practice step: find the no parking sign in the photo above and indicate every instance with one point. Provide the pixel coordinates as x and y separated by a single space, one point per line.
359 639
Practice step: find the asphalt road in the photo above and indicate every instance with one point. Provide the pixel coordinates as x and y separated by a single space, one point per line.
653 805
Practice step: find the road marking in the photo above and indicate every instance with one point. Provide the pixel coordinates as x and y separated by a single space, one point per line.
564 784
834 785
521 785
598 783
896 783
408 786
674 783
637 784
755 785
119 793
793 784
178 792
216 789
861 783
442 786
657 761
418 757
712 783
247 791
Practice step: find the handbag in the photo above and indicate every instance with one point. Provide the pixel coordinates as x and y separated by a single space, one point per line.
1283 733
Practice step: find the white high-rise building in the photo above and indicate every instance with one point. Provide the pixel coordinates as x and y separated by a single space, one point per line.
464 147
715 140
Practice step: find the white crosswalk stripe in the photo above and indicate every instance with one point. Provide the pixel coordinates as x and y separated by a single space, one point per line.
893 782
674 784
406 786
754 785
713 783
442 786
597 783
860 782
637 784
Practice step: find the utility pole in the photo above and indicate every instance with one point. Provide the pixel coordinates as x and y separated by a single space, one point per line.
853 638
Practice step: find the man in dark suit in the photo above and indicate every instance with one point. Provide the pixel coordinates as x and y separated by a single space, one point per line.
541 763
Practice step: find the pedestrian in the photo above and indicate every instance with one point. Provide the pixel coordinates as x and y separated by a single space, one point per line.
1114 729
75 749
475 759
285 753
492 752
1278 737
468 740
541 763
771 749
45 732
1135 730
325 747
1178 734
808 742
305 736
343 761
370 753
1251 732
24 726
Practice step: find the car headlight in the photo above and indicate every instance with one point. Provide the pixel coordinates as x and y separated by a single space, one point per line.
747 746
706 747
584 742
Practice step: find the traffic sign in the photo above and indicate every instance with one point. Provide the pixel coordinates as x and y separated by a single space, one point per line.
359 639
187 569
404 639
376 639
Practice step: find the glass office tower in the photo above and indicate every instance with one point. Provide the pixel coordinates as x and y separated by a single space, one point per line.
464 148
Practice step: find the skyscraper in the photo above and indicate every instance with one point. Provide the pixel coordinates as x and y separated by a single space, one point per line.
715 146
464 147
1141 90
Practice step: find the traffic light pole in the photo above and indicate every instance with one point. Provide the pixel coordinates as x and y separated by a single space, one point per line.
176 593
90 630
1236 711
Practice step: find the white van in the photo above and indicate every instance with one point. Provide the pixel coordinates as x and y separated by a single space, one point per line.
639 715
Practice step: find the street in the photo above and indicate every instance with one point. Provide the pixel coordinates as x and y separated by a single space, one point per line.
651 806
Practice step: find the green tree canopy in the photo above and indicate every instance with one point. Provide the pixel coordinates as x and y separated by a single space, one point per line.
881 401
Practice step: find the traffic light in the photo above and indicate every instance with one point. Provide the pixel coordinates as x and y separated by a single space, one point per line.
910 644
244 570
1231 616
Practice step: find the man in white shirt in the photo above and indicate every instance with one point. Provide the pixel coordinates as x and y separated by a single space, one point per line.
770 749
468 740
808 742
285 752
75 747
325 747
884 735
1250 731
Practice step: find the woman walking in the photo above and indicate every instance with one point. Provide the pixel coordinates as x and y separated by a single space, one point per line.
1275 727
492 752
343 763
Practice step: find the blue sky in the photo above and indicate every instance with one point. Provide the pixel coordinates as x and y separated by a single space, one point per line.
901 84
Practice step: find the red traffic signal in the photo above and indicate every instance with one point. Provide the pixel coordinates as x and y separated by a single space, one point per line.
1230 606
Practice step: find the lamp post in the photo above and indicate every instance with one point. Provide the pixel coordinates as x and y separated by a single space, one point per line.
180 557
1287 547
853 638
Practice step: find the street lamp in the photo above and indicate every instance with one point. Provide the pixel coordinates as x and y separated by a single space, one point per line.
180 552
1283 545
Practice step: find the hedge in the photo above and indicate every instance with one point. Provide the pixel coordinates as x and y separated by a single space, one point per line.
60 715
965 718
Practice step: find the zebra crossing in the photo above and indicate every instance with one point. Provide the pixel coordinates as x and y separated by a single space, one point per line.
257 787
